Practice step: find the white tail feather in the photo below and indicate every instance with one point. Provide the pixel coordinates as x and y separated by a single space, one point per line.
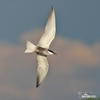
30 47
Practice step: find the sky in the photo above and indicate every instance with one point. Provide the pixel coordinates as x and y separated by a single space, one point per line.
77 43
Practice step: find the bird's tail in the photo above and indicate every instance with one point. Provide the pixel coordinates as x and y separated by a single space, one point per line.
30 47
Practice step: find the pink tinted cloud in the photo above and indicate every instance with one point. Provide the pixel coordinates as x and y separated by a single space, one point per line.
70 53
82 54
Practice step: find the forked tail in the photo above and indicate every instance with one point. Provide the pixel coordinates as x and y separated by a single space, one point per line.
30 47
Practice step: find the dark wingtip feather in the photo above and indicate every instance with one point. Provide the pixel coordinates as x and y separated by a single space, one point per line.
37 82
37 85
52 8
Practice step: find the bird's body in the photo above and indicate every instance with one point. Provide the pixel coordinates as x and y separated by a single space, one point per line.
42 49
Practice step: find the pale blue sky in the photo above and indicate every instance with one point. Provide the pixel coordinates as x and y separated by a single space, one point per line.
78 19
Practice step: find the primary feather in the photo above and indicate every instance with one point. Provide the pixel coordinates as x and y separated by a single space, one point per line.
42 69
49 32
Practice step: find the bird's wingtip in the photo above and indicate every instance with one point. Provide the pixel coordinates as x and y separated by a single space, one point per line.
37 82
52 8
37 85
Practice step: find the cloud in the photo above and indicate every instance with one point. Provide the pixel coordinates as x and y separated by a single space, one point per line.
18 70
80 53
73 51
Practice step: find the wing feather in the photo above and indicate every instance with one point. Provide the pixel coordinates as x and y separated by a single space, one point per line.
49 32
42 69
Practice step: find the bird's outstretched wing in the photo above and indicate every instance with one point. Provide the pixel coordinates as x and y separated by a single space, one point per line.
49 32
42 69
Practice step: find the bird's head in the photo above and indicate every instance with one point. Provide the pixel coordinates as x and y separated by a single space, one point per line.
51 52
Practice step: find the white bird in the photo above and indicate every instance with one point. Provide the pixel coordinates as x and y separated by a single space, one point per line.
42 49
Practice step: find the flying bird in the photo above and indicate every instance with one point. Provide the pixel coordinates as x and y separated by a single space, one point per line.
42 48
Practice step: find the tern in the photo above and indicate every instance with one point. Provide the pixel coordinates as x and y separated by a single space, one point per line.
42 48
